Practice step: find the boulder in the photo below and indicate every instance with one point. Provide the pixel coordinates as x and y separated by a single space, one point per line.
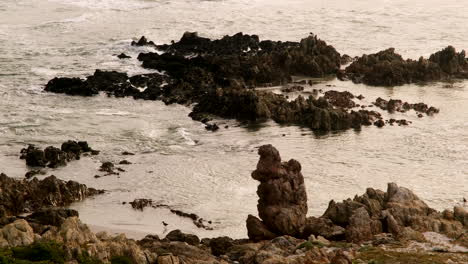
177 235
19 233
220 245
257 230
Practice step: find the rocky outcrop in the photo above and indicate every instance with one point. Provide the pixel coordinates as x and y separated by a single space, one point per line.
282 203
20 196
110 82
397 211
282 208
388 68
317 114
51 216
246 58
54 157
77 238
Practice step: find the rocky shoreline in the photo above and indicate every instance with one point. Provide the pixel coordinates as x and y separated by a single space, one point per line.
376 227
219 78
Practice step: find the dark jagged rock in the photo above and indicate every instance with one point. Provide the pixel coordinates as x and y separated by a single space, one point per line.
123 56
218 77
282 203
211 127
379 123
20 196
257 230
33 173
220 245
54 216
340 99
34 157
143 42
199 222
111 82
245 58
388 68
324 227
177 235
107 167
317 114
53 157
70 86
345 59
397 105
140 204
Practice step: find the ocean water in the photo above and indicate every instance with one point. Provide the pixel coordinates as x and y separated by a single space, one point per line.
177 161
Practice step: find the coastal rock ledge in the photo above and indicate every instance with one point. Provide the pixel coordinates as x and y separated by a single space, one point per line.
377 227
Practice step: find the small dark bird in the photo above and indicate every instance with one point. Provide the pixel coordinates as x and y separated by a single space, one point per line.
164 223
464 199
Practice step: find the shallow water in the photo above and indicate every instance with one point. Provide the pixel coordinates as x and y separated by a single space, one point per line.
181 164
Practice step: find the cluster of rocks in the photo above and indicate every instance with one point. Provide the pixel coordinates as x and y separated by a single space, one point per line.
53 157
282 208
219 77
140 204
251 105
113 83
387 68
342 99
19 196
110 169
397 105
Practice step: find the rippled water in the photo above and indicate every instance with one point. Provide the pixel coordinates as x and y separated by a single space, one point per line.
181 164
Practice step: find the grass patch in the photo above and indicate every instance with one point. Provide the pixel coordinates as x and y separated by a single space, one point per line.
374 255
85 258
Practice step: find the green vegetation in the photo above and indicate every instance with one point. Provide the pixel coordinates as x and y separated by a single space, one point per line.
121 260
40 253
85 258
44 253
308 245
